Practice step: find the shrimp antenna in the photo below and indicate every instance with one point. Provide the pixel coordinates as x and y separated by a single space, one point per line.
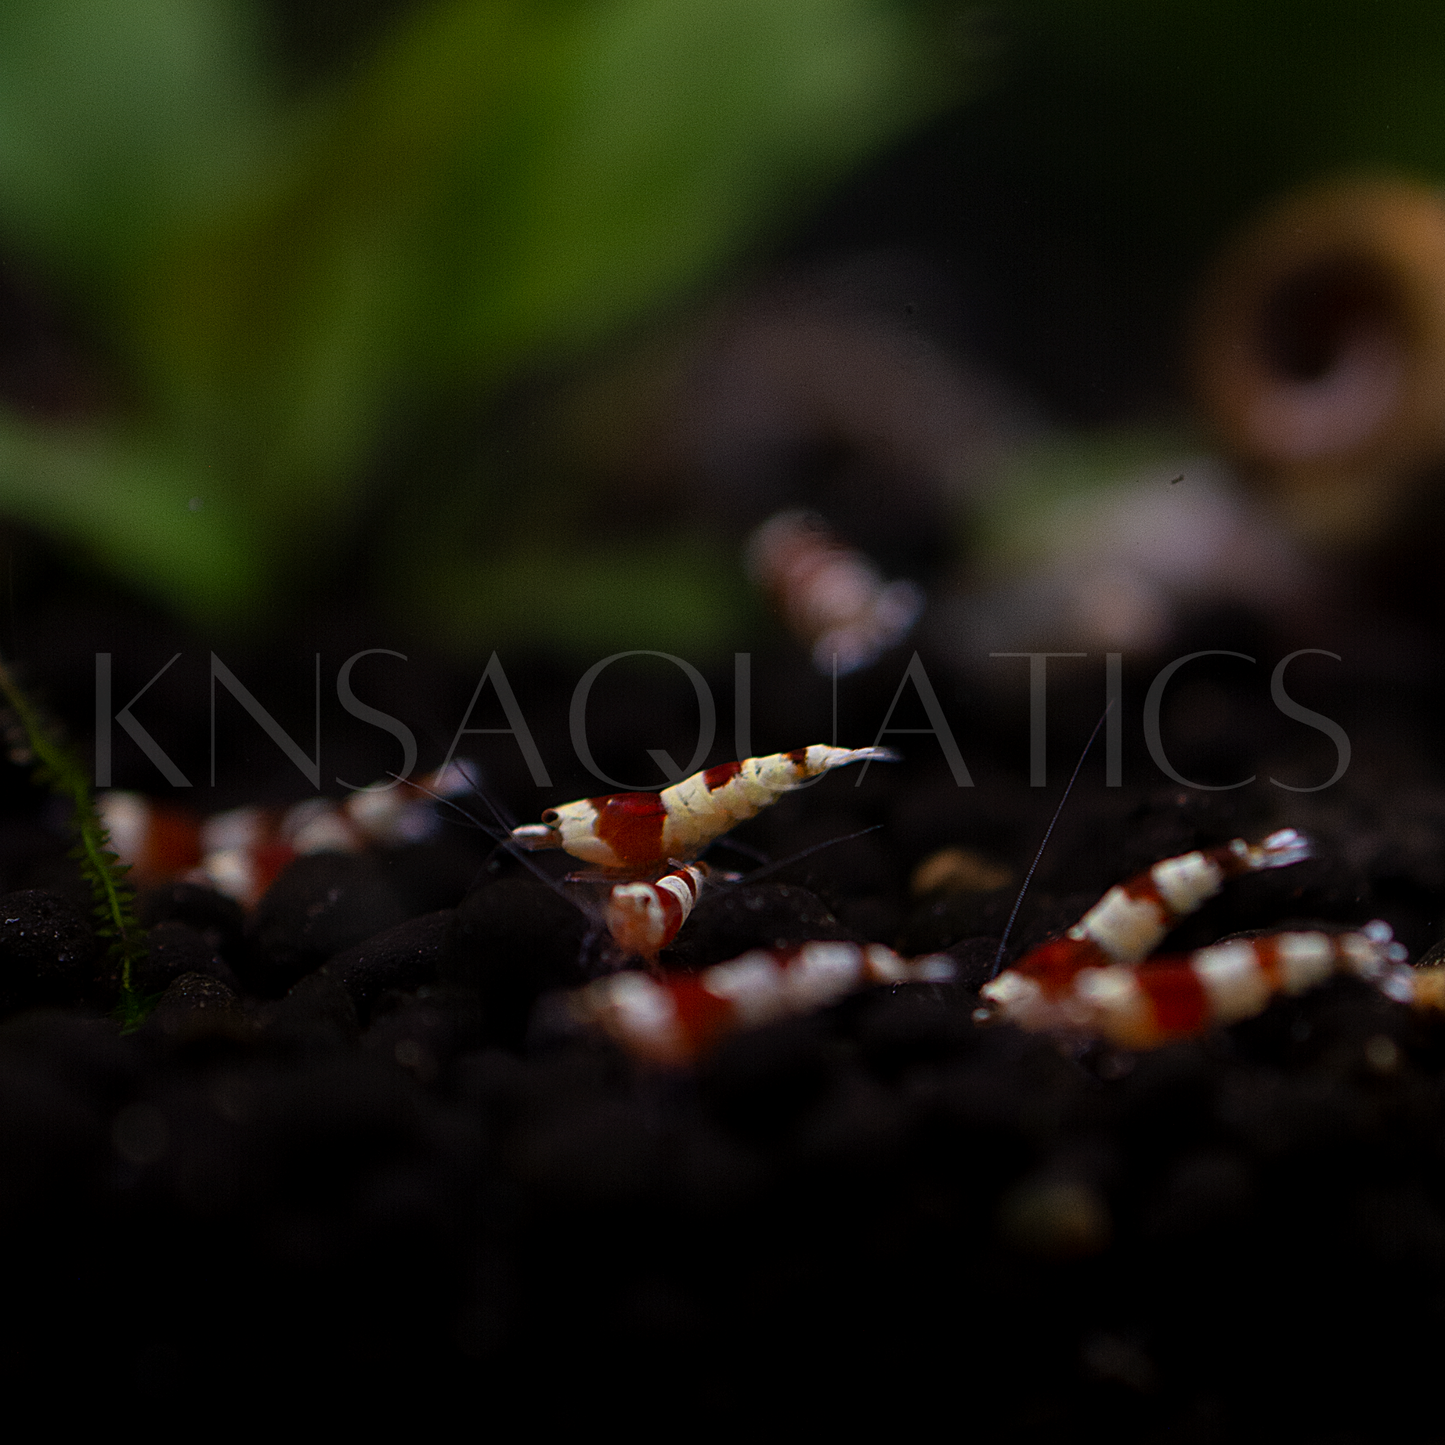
464 814
808 852
1048 833
504 823
756 854
503 843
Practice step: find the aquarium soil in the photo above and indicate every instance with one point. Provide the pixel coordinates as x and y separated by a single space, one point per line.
358 1156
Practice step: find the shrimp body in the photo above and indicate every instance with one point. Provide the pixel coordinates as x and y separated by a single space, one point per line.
1131 920
639 832
1178 996
679 1017
241 852
643 918
832 597
1099 980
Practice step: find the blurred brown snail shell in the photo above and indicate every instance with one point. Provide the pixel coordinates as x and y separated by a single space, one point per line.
1317 353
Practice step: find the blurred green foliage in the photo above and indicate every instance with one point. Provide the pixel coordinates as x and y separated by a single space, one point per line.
286 281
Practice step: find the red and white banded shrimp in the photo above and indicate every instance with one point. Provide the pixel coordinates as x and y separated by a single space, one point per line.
832 597
1097 981
676 1018
241 852
1100 981
643 918
637 833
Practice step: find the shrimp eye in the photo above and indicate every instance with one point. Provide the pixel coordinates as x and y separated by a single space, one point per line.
550 816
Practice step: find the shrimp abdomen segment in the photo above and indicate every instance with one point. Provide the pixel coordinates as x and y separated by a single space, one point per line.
706 805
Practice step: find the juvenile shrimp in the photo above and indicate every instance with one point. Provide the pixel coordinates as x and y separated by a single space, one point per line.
641 917
640 832
1178 996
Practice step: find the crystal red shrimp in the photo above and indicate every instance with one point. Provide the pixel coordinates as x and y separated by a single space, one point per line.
242 851
643 918
1098 980
640 832
1130 921
1177 996
831 596
677 1018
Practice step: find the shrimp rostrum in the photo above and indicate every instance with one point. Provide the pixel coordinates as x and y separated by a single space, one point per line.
639 833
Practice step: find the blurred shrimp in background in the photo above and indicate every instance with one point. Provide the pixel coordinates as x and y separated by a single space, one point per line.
826 418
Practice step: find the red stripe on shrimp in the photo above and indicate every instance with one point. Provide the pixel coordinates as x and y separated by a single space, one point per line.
630 826
1177 998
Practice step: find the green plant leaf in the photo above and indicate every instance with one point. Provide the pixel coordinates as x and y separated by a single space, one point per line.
502 183
289 283
154 521
121 122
